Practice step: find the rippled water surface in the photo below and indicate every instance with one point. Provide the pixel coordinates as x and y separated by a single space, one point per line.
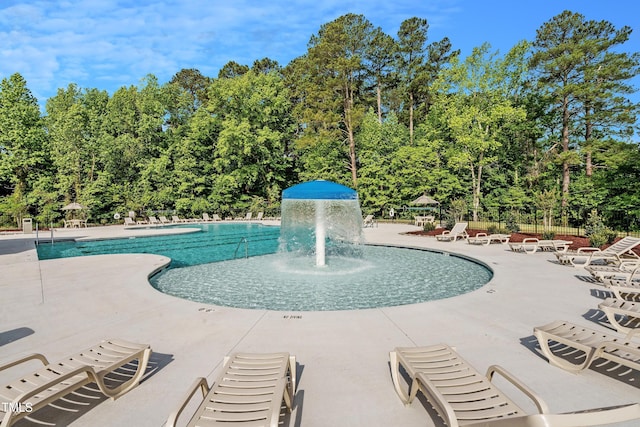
381 277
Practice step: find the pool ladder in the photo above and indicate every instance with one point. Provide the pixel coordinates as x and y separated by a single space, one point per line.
246 248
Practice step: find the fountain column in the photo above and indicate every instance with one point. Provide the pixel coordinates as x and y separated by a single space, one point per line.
321 234
316 212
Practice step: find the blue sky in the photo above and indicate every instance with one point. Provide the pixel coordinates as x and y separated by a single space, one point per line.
107 44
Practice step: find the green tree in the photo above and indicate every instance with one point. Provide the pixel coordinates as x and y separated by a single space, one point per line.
23 143
584 79
331 76
251 114
474 100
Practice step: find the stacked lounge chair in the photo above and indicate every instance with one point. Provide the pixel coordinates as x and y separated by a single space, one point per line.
614 254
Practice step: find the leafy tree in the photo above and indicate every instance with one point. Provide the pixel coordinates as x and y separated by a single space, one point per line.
583 78
332 75
252 114
379 58
191 92
23 143
266 66
412 38
232 69
474 101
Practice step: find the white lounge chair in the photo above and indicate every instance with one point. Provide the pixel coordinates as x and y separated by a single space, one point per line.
462 396
248 392
484 239
259 216
368 221
614 254
163 219
584 346
623 315
459 230
625 289
153 220
532 245
625 270
55 380
129 222
177 220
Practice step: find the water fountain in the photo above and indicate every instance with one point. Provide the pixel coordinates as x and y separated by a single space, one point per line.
319 218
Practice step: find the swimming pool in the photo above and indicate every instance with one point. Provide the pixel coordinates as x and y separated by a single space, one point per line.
381 277
214 242
237 265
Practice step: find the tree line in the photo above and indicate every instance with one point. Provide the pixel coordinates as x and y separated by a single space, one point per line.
548 124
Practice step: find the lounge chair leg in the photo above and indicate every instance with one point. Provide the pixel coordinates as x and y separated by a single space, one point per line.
395 373
116 392
290 394
554 360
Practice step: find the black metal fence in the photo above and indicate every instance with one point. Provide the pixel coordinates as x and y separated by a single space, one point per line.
570 221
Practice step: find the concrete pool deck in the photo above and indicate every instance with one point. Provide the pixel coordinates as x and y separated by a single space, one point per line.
58 307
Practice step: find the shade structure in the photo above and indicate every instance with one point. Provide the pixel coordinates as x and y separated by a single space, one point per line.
73 207
320 190
424 200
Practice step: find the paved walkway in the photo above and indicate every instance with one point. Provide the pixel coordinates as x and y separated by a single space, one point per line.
60 306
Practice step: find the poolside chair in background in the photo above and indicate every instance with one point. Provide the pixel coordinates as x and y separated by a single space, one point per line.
206 218
459 230
249 391
625 270
614 254
55 380
625 289
531 245
487 239
260 216
153 220
247 217
574 348
368 221
462 396
128 221
216 217
164 220
623 315
177 220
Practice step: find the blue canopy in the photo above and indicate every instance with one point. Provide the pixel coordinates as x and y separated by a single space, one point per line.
320 189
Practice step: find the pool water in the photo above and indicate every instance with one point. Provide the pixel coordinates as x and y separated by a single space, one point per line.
214 242
238 265
382 277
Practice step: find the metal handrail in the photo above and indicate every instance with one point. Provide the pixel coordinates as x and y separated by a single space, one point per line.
246 248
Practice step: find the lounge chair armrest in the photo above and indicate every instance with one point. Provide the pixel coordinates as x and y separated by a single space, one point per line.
276 403
540 404
81 370
530 240
24 359
199 383
587 250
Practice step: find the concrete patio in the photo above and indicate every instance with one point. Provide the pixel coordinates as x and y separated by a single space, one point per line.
57 307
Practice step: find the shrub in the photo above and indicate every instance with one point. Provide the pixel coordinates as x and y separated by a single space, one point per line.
494 229
511 224
597 232
429 226
548 235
